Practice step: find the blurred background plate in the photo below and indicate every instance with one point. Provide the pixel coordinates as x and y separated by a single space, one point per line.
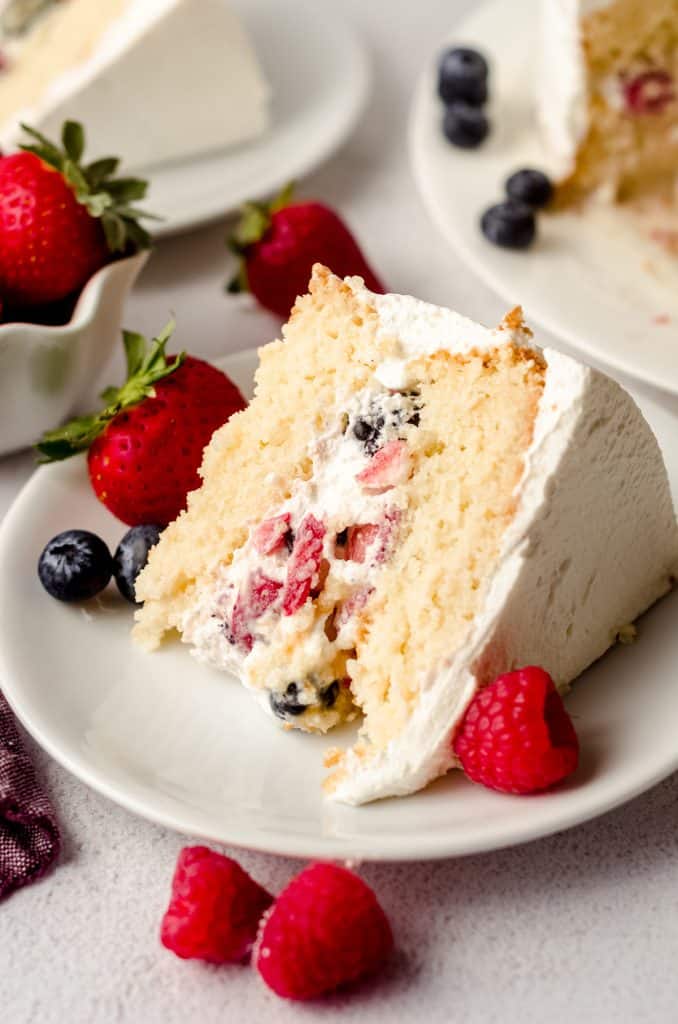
593 279
319 77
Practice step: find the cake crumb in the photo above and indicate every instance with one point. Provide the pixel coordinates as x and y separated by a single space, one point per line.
627 634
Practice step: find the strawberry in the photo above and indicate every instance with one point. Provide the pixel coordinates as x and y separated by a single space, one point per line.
278 243
304 564
388 467
270 534
61 221
254 599
146 445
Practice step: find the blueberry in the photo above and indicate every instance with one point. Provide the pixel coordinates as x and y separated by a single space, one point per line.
342 537
510 224
462 75
287 703
75 565
131 556
465 125
363 430
329 695
530 186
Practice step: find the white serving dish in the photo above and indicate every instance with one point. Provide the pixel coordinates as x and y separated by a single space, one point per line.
186 746
45 371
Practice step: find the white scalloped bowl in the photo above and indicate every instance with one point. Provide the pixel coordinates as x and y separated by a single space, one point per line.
45 371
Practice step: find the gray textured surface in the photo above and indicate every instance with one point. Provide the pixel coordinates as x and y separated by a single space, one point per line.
581 926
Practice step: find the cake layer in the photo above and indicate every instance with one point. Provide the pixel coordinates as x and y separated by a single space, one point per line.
154 80
411 505
607 96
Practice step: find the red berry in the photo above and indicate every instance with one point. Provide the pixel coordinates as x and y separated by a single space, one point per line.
269 535
279 244
360 540
516 735
304 564
649 92
253 600
372 539
325 930
49 244
147 459
215 908
387 468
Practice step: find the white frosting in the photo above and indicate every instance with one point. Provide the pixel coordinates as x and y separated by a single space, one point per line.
592 545
209 55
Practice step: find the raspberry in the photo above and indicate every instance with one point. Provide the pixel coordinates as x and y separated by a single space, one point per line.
516 735
215 908
304 563
387 468
325 930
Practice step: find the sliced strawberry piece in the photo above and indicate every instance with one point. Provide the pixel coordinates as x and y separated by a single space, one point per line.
360 538
379 536
387 468
303 565
253 600
269 535
350 606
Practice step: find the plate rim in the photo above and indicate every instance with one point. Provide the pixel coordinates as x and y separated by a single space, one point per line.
472 25
389 847
355 99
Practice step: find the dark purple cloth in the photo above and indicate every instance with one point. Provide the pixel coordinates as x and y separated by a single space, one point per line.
29 833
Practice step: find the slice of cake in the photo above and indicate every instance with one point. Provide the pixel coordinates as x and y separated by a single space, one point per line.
607 96
155 79
411 505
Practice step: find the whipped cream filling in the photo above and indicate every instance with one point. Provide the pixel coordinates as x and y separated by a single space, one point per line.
359 530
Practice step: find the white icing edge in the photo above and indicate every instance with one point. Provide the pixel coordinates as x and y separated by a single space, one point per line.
562 108
581 417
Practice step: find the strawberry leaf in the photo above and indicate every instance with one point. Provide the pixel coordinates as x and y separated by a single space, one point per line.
100 170
255 220
147 364
135 348
106 198
73 140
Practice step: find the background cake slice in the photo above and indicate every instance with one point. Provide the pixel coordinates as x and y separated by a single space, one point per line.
607 96
156 80
411 505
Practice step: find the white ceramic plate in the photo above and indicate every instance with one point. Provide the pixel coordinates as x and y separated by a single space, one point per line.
319 76
593 280
188 747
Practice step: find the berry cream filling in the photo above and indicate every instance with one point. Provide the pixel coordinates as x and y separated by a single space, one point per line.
283 614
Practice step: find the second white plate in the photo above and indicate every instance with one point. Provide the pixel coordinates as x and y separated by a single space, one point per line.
592 280
319 76
188 747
